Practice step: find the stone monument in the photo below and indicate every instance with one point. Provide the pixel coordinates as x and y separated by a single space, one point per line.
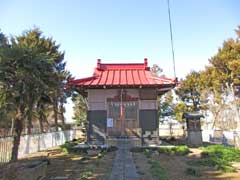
194 132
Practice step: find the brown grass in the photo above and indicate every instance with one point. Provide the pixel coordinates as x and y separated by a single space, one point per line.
176 167
75 167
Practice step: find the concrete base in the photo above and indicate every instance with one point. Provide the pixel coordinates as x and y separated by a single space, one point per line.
132 141
195 138
135 142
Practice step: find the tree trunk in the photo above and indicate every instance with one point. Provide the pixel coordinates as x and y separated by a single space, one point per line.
29 121
55 110
216 117
16 138
16 142
42 119
41 122
62 115
30 101
12 126
170 130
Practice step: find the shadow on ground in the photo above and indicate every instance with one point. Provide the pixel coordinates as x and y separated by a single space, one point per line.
63 165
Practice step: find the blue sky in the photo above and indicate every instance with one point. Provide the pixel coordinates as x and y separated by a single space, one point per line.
119 31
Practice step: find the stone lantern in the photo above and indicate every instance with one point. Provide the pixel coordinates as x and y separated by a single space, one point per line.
194 132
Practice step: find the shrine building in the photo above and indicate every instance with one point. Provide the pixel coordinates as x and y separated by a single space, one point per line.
122 101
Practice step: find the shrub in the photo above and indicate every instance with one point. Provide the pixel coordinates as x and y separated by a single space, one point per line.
147 153
86 174
176 150
157 171
67 147
100 155
220 157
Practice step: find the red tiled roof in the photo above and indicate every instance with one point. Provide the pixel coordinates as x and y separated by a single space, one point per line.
115 75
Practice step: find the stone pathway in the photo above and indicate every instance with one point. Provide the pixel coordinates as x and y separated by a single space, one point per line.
123 165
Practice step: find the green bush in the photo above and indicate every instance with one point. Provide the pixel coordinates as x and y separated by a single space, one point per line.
68 147
147 153
157 171
176 150
86 174
226 153
100 155
220 157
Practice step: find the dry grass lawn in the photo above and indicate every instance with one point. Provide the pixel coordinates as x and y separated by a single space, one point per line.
69 166
176 167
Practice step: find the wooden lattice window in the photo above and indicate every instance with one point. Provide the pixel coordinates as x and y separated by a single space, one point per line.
130 110
114 110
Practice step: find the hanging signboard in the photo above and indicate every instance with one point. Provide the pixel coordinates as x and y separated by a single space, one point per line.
109 122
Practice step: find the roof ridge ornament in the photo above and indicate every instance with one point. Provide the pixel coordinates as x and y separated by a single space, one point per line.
145 62
98 63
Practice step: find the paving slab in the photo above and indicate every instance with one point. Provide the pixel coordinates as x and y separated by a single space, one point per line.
123 165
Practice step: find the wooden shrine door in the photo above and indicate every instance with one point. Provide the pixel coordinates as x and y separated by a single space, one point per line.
124 117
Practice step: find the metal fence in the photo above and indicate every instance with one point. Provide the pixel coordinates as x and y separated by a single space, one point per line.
34 143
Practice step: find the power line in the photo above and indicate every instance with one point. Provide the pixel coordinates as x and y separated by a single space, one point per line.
170 26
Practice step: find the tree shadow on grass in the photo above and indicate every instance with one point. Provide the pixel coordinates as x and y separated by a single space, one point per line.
73 166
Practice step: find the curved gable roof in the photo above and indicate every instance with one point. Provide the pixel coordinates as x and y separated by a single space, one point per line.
122 75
